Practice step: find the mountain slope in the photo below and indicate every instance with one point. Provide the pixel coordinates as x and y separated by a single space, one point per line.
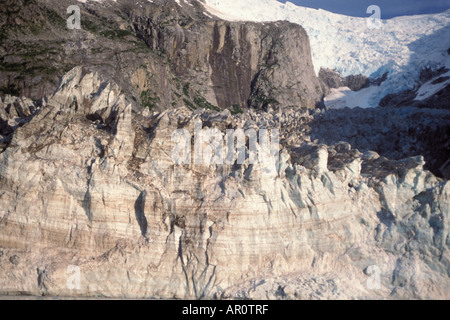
162 53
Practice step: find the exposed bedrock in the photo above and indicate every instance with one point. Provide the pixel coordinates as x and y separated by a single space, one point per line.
162 54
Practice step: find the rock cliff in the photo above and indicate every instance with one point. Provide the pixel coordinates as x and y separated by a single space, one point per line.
161 53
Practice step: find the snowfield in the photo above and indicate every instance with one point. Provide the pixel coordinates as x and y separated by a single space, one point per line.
402 47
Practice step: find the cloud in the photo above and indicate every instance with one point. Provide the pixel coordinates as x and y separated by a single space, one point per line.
389 8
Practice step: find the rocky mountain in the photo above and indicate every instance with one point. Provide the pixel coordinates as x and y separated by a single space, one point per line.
162 53
355 206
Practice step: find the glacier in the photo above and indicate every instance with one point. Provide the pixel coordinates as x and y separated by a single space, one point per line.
403 46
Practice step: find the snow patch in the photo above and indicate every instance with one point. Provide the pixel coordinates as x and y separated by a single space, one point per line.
345 98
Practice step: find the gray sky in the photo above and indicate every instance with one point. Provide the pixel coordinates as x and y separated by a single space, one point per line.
389 8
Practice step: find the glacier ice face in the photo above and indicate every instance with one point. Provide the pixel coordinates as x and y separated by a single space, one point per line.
96 188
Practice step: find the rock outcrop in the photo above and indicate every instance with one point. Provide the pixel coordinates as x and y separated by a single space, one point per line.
331 79
86 182
161 53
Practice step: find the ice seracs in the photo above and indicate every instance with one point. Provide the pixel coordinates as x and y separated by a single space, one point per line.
97 188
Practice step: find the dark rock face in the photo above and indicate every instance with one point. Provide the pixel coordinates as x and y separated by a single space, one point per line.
249 64
440 100
398 99
232 72
429 73
356 82
162 54
332 79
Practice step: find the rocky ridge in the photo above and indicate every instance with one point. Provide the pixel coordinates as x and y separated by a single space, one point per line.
161 53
